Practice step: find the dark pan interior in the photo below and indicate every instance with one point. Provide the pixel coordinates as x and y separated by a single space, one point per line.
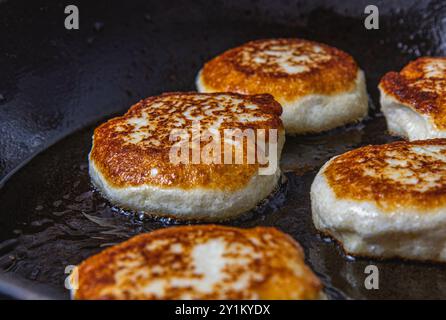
57 84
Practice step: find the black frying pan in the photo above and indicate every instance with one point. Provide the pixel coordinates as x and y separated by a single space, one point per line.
56 85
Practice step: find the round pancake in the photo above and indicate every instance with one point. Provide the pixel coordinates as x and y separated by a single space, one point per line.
200 262
414 100
318 86
385 200
130 160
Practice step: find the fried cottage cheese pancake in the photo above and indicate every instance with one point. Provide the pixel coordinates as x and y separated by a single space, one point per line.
318 86
130 165
385 200
200 262
414 100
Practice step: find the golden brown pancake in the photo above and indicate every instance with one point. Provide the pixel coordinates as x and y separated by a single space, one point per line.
200 262
318 86
130 160
385 201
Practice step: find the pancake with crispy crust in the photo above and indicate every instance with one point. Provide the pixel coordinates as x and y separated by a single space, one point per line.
414 100
318 86
200 262
131 165
385 200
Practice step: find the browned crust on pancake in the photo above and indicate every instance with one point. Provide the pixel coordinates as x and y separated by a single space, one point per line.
415 88
226 73
347 177
125 164
281 265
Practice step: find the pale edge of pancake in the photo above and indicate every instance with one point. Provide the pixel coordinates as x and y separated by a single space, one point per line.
404 121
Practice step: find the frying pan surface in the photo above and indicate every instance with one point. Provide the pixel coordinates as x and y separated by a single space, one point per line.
57 85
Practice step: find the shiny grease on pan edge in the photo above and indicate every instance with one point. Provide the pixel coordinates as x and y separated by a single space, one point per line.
49 216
